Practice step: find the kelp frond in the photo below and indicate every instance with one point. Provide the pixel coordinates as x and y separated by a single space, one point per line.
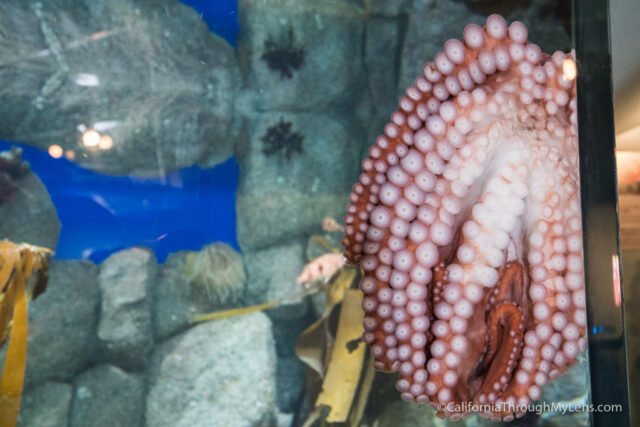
18 262
223 314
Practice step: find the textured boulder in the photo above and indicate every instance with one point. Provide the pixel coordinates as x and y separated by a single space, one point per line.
382 51
295 169
146 75
431 23
570 391
387 7
570 388
428 28
216 374
107 396
302 54
272 274
125 330
30 215
404 414
62 323
177 300
46 405
290 383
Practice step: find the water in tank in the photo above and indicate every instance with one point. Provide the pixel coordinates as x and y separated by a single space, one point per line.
291 213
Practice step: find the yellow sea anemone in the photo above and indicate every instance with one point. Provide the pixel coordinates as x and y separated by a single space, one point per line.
217 269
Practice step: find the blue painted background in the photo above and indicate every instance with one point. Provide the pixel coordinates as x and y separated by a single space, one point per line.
220 15
101 214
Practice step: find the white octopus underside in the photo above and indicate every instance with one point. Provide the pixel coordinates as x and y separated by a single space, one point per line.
468 228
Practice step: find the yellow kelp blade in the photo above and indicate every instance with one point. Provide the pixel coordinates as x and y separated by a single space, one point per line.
223 314
312 343
12 379
347 360
7 293
360 403
18 262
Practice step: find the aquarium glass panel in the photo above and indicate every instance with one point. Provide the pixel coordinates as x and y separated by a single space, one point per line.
307 213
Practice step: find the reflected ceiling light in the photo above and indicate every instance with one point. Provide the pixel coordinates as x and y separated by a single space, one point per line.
90 138
70 154
86 79
55 151
105 142
105 125
569 70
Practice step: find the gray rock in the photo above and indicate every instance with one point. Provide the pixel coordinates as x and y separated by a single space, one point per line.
284 420
282 196
272 274
107 396
30 216
432 23
376 128
572 387
176 301
405 414
62 323
426 33
220 373
148 74
318 303
291 373
317 247
382 57
172 307
290 383
573 419
546 28
302 54
387 7
46 405
125 330
421 6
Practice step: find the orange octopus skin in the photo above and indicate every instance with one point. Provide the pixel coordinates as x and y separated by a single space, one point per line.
466 221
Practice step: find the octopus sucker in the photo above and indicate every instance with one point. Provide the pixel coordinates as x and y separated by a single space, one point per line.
466 222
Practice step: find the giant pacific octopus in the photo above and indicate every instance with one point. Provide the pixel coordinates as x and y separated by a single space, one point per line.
466 221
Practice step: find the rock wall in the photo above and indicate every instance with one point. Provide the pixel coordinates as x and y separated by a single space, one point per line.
99 353
146 74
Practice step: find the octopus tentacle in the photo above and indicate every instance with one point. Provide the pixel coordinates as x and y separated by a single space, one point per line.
466 222
505 331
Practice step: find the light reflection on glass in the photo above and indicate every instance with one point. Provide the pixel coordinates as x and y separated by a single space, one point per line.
569 70
85 79
105 125
90 138
105 142
55 151
617 294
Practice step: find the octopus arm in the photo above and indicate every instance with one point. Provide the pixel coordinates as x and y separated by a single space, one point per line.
466 222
